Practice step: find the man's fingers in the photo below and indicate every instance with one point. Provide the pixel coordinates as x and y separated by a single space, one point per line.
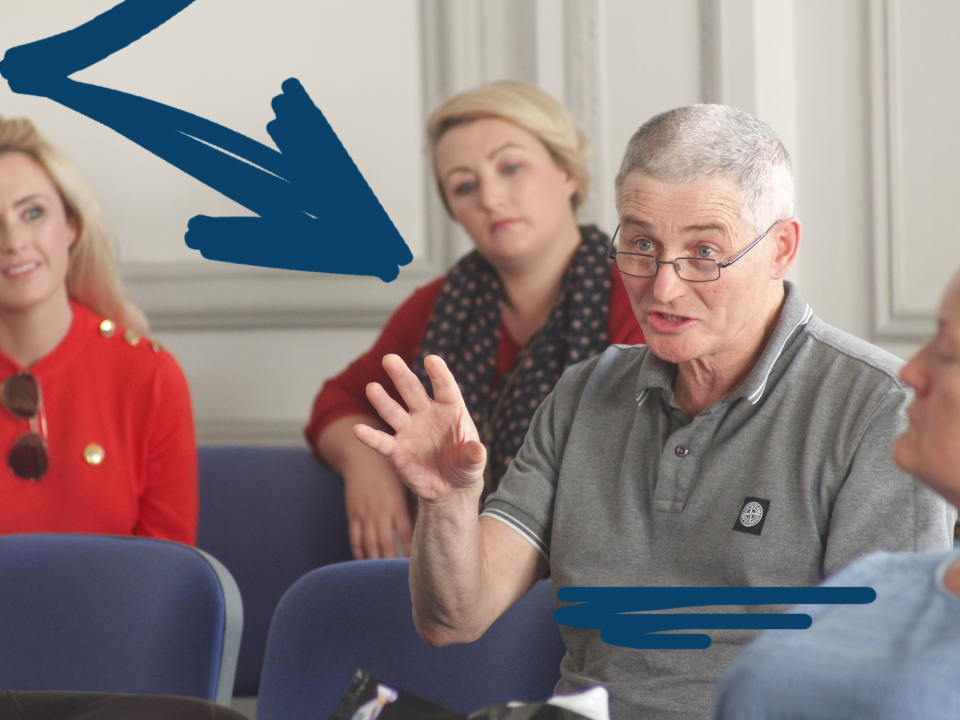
388 408
473 457
408 384
445 388
375 439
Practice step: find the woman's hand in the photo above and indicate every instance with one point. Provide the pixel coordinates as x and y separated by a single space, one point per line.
378 512
377 508
436 450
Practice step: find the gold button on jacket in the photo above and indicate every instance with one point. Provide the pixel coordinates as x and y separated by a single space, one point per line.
93 454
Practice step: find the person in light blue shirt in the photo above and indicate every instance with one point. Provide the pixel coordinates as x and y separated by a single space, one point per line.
898 657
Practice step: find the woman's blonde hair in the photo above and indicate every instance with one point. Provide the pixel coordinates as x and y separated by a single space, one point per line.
527 107
92 278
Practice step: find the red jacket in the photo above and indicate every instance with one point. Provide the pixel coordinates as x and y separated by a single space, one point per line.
128 396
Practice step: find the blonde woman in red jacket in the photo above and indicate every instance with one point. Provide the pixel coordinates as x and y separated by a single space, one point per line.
96 428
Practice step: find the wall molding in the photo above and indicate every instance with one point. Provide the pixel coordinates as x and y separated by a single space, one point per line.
452 61
892 320
273 433
213 295
711 54
194 295
585 96
463 44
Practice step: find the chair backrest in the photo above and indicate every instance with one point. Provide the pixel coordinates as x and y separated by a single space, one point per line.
359 615
270 515
103 613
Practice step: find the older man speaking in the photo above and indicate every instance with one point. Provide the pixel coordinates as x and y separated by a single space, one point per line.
746 445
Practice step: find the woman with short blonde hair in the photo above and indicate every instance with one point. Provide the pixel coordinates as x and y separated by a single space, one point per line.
527 107
536 295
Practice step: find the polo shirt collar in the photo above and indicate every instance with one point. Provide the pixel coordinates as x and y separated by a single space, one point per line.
657 373
795 314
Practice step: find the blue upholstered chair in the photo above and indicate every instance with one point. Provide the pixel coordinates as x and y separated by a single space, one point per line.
103 613
270 515
358 615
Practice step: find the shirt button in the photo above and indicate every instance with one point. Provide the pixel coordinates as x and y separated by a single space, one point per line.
681 450
93 454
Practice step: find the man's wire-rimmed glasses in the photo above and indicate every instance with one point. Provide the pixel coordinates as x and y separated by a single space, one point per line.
689 269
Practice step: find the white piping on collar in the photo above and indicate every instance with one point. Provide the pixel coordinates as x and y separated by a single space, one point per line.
642 396
755 396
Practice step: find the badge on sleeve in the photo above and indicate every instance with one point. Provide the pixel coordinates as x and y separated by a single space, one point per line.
752 516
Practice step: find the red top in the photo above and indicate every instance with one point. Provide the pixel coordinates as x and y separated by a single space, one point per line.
345 394
128 396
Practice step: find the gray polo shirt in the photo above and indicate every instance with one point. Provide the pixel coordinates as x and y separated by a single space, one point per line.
781 482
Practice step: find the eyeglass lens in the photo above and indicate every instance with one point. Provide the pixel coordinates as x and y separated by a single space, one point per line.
20 395
29 457
692 269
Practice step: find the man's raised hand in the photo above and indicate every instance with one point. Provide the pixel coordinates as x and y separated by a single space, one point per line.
436 449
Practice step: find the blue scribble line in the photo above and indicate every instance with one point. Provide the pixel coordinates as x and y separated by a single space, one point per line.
315 210
618 611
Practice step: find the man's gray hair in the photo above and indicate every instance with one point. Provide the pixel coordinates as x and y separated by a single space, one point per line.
699 142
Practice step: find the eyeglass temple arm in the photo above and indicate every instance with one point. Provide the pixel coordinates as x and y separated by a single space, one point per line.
611 253
749 247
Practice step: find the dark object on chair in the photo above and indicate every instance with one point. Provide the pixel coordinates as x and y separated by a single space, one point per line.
103 613
367 697
270 515
108 706
359 615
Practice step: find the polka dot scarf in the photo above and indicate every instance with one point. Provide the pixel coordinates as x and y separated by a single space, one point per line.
465 331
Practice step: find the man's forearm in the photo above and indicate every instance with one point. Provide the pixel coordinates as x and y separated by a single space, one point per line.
463 574
448 580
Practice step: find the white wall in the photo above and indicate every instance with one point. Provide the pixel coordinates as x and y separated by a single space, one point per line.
225 60
860 91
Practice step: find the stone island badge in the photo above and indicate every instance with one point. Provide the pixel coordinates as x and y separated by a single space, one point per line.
752 516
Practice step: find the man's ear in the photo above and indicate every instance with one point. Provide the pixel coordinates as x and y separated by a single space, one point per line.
787 242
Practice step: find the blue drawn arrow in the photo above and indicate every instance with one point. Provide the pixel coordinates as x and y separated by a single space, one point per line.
618 612
315 210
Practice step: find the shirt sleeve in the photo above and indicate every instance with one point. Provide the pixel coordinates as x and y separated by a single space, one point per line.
346 393
879 507
622 325
524 500
170 499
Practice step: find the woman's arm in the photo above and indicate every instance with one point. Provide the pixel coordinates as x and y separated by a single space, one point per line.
377 502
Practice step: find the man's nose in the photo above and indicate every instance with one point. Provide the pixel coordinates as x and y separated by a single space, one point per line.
668 285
